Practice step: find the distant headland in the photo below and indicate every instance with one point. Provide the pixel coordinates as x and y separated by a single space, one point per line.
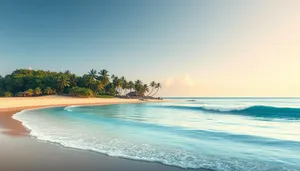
28 83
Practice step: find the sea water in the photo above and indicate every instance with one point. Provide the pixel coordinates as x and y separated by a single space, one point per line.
221 134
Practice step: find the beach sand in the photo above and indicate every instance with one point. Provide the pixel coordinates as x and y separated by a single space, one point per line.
21 152
30 102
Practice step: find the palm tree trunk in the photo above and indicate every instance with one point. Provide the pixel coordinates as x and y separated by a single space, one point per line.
60 90
120 91
155 92
150 92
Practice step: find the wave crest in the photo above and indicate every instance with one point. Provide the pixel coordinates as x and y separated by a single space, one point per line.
250 110
69 108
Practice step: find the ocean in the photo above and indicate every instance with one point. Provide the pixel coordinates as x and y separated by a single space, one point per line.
220 134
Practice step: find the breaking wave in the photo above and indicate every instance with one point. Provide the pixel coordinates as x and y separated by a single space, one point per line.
255 110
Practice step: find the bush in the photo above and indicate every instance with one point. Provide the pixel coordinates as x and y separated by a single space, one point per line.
81 92
37 91
20 94
29 93
48 91
54 91
8 94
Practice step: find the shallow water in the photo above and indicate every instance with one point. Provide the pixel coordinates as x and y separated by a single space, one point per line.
218 134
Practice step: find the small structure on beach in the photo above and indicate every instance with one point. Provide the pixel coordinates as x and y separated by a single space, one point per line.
132 94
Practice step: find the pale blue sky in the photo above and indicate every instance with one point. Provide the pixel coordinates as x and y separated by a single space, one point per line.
188 42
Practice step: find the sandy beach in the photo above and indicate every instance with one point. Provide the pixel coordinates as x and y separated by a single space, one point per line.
19 151
44 101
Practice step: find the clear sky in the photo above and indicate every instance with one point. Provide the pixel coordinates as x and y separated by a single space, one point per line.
193 47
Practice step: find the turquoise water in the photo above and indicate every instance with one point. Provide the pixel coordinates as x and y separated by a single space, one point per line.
218 134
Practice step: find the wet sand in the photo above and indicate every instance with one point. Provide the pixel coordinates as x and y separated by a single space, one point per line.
9 125
21 152
24 153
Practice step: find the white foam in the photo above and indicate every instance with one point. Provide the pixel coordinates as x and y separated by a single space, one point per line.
69 108
226 108
109 146
88 137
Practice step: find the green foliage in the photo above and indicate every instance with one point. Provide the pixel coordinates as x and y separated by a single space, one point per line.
73 80
139 87
93 73
37 91
130 85
25 82
28 93
19 94
8 94
104 77
48 91
112 91
1 86
89 81
81 92
62 82
98 87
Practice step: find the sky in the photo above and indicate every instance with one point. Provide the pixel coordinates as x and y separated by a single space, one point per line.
212 48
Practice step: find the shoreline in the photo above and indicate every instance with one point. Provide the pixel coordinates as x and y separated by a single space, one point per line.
49 156
18 144
14 127
45 101
11 126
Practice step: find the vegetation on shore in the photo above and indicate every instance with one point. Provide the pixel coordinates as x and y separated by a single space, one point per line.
27 83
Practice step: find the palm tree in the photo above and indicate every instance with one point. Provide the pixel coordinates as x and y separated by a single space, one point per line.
37 91
20 94
93 73
73 80
117 84
138 82
158 86
145 89
125 86
90 81
152 85
104 77
130 85
122 84
67 72
138 86
112 77
54 91
48 91
98 86
62 82
29 92
8 94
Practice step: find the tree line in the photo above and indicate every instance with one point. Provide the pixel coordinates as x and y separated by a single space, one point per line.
27 83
